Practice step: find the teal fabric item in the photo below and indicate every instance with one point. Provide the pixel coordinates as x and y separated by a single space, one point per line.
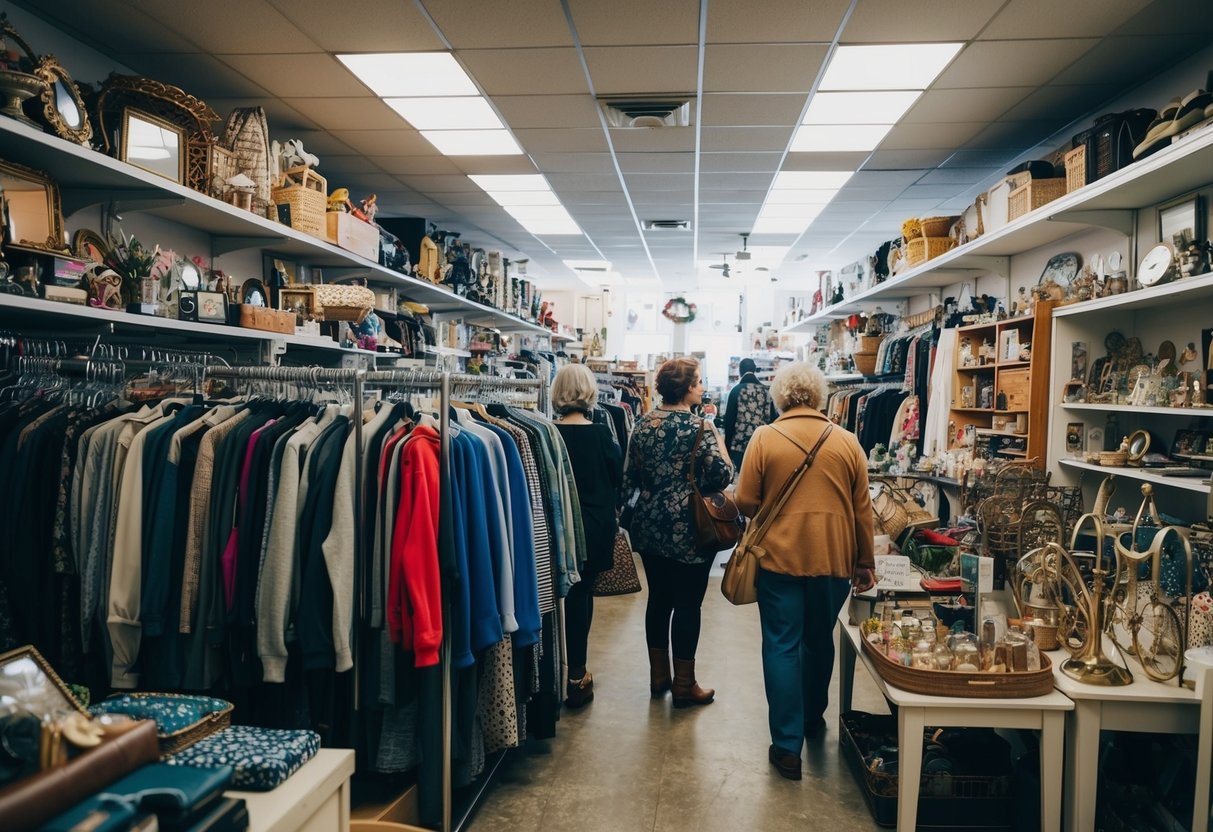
172 713
262 758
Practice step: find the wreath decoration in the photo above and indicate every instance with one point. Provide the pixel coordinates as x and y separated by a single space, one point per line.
679 310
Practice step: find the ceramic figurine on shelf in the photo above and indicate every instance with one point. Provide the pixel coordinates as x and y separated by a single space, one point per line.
370 207
290 154
339 201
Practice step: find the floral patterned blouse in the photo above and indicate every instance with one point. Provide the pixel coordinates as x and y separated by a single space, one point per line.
659 457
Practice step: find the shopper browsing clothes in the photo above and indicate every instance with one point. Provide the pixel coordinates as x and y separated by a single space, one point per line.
667 444
597 473
749 407
818 547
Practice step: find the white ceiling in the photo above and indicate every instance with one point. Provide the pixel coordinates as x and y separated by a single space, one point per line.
1028 69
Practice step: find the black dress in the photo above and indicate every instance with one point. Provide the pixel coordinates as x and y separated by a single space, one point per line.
598 471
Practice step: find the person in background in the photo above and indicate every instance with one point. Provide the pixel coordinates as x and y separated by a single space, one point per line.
749 407
667 444
598 473
817 548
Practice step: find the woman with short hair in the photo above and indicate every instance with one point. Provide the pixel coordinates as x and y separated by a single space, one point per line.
597 472
817 547
667 444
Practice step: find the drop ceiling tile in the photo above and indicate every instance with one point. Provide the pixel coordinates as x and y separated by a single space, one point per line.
636 22
1056 100
333 168
434 185
1167 17
739 162
321 143
774 21
667 182
956 176
944 106
931 191
345 113
889 180
574 162
475 199
203 76
742 139
583 182
1125 61
734 181
741 109
397 27
646 201
732 197
494 164
561 141
1018 63
616 201
283 117
406 165
387 142
900 159
659 140
525 71
548 110
761 68
472 24
926 136
122 29
1043 19
884 21
978 159
1013 135
656 162
302 76
262 28
619 70
825 161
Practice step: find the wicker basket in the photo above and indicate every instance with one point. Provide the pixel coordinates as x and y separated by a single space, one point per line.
305 192
210 723
1076 168
937 226
922 249
865 363
1035 193
911 228
870 343
1113 458
1021 685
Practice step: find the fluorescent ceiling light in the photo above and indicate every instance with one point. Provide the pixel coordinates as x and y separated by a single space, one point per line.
768 254
473 142
806 212
507 198
776 225
589 265
453 113
493 182
792 196
550 227
894 66
816 138
409 74
800 179
859 107
538 212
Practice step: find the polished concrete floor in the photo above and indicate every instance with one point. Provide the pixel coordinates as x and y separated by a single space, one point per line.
628 762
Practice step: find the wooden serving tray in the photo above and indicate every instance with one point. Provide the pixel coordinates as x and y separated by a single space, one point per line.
1021 685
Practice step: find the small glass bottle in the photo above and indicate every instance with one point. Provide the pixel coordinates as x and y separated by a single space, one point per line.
921 656
941 656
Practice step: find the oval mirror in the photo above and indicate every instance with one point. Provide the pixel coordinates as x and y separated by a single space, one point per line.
1139 444
62 107
191 279
65 103
253 293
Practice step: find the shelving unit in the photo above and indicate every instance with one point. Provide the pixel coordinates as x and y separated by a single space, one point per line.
1141 474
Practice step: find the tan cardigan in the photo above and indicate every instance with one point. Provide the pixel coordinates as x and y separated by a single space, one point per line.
825 527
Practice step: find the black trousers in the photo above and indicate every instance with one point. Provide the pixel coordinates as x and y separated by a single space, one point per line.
676 593
578 616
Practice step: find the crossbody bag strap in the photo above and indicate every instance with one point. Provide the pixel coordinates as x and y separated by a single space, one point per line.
790 484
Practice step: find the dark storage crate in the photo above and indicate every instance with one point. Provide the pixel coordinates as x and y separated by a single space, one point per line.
1110 142
945 801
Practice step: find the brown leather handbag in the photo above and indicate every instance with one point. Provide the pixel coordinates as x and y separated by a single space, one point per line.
718 521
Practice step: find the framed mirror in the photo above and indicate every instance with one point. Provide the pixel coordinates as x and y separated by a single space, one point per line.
62 106
1139 446
191 278
1181 223
28 682
153 144
32 215
89 245
253 293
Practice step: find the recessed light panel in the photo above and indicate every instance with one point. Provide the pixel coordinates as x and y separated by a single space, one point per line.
894 66
776 225
410 74
797 196
508 198
817 138
883 107
493 182
453 113
473 142
811 179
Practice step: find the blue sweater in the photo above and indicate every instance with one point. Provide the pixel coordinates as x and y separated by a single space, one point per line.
526 585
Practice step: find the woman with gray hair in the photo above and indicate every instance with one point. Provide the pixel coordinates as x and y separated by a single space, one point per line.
598 473
817 547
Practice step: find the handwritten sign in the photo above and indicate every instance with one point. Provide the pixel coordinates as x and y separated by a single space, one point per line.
893 572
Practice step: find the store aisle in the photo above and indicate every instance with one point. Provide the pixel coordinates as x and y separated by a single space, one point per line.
628 762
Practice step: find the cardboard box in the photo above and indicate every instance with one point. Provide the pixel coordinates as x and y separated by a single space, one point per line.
354 235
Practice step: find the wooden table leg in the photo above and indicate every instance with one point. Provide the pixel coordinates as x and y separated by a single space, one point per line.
1052 747
910 724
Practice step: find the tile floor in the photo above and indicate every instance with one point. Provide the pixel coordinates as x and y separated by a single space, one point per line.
628 762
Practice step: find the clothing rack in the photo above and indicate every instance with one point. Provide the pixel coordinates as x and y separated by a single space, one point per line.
473 387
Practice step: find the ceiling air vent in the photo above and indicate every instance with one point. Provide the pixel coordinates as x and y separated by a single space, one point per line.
666 225
647 111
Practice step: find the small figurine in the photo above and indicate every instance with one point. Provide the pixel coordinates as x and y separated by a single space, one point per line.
370 208
339 201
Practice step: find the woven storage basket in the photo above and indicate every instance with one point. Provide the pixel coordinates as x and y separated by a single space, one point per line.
1035 193
1021 685
937 226
1113 458
870 343
335 302
865 363
921 249
306 192
1076 169
210 723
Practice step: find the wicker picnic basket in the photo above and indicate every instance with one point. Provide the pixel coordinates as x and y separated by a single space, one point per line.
921 249
1019 685
937 226
305 192
1076 168
1035 193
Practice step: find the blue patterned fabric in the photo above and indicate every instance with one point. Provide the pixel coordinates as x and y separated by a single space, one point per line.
262 757
172 713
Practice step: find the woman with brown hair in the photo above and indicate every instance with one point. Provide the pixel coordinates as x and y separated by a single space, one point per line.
669 445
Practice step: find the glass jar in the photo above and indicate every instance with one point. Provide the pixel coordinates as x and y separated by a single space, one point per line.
921 656
966 656
941 656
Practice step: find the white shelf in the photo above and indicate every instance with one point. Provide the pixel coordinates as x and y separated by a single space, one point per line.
989 432
1198 412
458 353
845 377
1168 294
1109 201
1184 483
85 176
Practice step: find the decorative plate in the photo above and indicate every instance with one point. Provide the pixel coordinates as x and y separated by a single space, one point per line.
1060 269
1155 266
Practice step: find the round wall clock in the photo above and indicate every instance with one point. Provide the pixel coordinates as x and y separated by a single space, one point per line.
1155 266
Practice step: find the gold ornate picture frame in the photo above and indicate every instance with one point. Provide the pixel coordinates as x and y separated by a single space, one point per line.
33 213
153 144
28 680
62 106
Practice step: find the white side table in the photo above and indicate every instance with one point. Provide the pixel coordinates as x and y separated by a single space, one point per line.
915 711
316 798
1145 706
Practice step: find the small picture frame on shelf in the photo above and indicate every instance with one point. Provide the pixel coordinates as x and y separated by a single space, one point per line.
153 144
1076 436
1073 392
1189 443
1008 346
1180 222
1078 360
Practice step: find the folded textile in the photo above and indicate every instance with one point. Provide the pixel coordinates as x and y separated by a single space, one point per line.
175 794
261 758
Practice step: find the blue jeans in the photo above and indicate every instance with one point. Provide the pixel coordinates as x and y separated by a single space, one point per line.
798 616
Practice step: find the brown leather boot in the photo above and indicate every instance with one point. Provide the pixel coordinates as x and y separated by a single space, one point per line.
579 691
685 689
659 671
